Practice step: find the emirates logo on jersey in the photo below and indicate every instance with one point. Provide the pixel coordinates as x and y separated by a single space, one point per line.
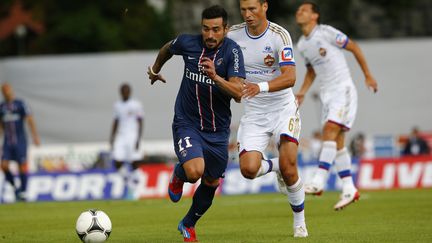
322 52
269 60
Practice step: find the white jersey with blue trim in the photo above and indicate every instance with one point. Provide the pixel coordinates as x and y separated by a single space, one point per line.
322 49
263 57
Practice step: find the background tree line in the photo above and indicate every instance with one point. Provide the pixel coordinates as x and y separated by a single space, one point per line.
99 25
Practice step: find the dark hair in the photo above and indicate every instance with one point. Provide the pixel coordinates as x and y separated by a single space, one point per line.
215 12
315 9
262 1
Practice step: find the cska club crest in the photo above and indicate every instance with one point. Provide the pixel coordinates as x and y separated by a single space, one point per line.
322 52
269 60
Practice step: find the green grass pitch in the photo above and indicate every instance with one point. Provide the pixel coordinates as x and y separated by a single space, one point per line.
381 216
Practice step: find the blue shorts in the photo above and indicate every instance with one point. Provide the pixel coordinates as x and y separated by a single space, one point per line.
190 143
16 153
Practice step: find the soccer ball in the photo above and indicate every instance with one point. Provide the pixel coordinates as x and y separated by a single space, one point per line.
93 226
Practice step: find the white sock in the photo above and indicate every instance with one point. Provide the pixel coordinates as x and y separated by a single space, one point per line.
268 166
124 171
326 158
343 166
296 197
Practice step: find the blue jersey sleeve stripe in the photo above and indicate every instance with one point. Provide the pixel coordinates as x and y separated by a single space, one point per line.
346 43
287 63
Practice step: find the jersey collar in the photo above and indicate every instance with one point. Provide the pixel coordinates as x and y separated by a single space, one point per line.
259 36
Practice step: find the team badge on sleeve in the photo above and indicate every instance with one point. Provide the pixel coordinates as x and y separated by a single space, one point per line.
287 54
341 40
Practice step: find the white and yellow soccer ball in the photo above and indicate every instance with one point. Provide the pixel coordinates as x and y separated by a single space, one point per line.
93 226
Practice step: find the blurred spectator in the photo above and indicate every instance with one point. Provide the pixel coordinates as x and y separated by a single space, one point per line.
126 131
416 145
357 146
14 113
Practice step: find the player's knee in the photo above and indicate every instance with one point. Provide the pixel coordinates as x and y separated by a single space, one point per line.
194 174
249 171
117 165
210 182
4 167
22 169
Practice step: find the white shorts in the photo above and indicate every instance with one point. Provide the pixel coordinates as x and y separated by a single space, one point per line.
124 150
255 130
340 107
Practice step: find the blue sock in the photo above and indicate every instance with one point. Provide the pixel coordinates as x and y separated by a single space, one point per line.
9 177
202 200
23 177
180 172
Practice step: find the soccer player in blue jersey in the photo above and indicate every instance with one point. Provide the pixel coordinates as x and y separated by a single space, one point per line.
13 114
213 74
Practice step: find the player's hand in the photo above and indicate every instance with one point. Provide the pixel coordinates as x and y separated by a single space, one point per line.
371 84
208 67
250 90
36 141
299 98
154 78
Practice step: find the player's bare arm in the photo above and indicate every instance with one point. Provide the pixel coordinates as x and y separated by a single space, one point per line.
140 129
284 81
163 56
113 132
358 54
232 86
33 130
307 83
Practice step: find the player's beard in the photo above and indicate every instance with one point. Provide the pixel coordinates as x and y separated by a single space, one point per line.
211 43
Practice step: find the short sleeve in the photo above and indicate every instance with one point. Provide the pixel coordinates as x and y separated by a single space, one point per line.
285 49
236 63
25 110
335 36
177 45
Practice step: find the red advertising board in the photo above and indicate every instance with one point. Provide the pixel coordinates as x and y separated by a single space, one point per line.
393 173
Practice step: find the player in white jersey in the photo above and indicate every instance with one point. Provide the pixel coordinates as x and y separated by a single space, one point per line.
321 46
127 130
270 108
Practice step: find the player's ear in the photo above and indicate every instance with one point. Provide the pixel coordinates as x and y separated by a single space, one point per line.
265 6
315 16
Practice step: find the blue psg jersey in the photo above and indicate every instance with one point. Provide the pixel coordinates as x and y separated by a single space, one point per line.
12 116
200 102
